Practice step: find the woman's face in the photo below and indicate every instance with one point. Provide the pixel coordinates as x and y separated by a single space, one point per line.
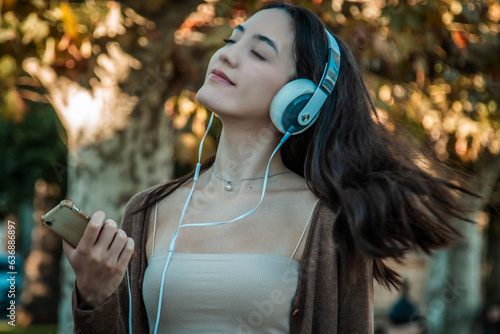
243 76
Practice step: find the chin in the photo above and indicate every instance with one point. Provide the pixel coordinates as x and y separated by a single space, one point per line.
204 98
199 96
211 100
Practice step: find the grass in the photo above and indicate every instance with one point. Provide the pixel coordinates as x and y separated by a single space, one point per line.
35 329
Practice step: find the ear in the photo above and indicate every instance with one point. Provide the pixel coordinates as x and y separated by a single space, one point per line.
289 102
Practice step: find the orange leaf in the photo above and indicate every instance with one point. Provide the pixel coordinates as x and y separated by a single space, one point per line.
69 20
459 38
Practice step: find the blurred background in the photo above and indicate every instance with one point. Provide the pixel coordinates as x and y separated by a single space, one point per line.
97 102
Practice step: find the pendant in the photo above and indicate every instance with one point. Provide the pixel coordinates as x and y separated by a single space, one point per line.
228 186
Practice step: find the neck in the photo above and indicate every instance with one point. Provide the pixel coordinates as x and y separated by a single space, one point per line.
245 153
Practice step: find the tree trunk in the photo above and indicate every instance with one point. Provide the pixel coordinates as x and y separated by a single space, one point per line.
491 311
453 292
492 295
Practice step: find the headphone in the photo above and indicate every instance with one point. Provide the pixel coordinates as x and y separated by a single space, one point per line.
297 104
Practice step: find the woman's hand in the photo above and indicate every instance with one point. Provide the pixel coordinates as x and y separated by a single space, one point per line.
100 259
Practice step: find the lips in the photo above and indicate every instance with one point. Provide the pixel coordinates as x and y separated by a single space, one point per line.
219 76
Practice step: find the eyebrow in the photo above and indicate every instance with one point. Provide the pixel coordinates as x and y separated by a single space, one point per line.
260 37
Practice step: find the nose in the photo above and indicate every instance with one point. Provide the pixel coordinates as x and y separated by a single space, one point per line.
228 55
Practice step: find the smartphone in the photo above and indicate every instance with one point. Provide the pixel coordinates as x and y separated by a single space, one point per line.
67 221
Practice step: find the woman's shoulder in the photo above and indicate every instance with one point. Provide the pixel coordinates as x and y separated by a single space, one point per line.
323 218
325 211
142 197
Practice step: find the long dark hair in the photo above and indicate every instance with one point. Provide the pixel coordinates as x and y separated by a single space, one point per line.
385 203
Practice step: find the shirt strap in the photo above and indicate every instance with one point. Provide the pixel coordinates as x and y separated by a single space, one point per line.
305 228
154 229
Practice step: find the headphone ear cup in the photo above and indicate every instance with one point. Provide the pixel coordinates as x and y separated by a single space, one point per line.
289 102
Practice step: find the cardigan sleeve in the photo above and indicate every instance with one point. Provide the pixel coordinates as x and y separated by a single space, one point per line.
356 304
105 318
326 301
111 316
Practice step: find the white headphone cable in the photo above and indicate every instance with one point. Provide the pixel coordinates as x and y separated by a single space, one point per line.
129 304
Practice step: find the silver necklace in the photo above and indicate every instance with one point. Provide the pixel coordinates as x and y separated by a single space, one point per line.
228 185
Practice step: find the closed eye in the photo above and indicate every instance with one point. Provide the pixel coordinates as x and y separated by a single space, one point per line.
258 55
255 53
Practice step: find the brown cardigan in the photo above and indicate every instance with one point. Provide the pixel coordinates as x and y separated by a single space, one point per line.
324 301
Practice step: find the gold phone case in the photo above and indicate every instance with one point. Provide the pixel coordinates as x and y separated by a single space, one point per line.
67 221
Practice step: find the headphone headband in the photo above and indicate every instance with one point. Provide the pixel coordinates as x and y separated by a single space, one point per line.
326 85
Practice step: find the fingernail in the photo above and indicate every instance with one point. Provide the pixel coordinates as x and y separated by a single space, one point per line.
111 223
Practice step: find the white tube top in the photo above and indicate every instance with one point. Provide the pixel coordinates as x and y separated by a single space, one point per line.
221 293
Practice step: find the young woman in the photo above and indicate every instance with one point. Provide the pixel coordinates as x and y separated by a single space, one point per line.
339 197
